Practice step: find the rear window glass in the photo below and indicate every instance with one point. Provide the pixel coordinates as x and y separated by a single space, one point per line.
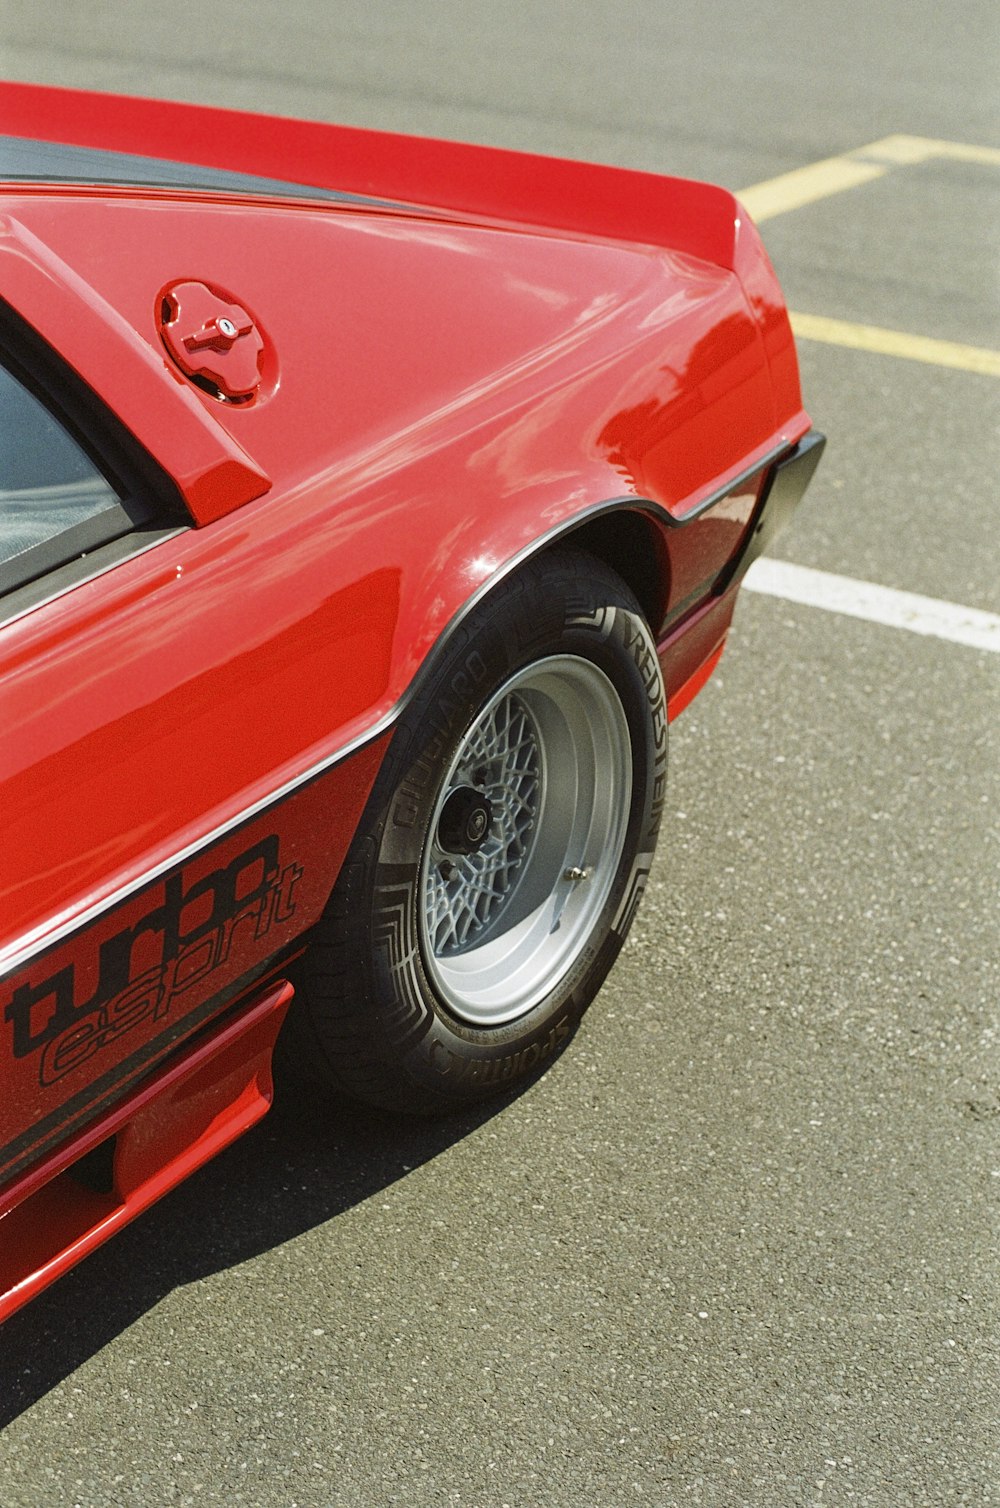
54 501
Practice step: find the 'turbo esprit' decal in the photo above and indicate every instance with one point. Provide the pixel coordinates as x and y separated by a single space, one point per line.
250 895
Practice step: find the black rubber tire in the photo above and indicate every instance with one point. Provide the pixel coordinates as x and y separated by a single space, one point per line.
368 1015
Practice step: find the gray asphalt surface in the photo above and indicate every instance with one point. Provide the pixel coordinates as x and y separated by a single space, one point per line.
739 1246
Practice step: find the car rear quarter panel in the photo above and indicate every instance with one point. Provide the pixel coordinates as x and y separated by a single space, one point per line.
535 374
447 395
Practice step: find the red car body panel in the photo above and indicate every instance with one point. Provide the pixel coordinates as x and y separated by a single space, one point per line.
189 738
160 1132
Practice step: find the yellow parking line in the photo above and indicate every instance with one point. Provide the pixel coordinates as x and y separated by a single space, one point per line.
834 175
904 151
940 353
776 196
805 185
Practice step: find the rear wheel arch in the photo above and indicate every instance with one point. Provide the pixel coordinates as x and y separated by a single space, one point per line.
630 543
395 1009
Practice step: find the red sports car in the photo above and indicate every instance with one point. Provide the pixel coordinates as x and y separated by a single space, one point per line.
368 506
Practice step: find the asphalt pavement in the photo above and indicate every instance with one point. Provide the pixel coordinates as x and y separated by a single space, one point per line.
739 1246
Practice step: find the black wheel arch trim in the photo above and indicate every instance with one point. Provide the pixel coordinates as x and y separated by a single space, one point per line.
780 495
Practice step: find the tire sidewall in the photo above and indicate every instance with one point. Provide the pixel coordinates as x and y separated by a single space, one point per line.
581 610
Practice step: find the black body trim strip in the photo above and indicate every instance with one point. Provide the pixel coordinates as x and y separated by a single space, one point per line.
782 490
104 1093
18 956
714 498
631 504
780 496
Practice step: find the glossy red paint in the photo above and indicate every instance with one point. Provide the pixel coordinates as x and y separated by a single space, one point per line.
92 1012
156 1137
213 339
437 392
510 346
686 694
212 472
624 205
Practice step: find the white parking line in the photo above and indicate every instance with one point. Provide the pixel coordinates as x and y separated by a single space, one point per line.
876 604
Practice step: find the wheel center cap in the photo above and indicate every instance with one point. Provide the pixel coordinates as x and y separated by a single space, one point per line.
466 818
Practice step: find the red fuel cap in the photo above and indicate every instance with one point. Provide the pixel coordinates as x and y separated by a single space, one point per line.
214 341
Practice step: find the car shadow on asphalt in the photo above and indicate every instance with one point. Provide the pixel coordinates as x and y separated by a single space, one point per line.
308 1161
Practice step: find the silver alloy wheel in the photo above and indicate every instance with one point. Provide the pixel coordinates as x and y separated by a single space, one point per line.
525 840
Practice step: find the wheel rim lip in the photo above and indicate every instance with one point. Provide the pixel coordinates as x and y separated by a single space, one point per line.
544 921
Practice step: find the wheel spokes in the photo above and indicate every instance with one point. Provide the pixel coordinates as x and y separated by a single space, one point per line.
467 891
506 906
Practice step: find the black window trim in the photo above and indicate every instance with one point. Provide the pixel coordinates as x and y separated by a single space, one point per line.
149 505
41 590
69 544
